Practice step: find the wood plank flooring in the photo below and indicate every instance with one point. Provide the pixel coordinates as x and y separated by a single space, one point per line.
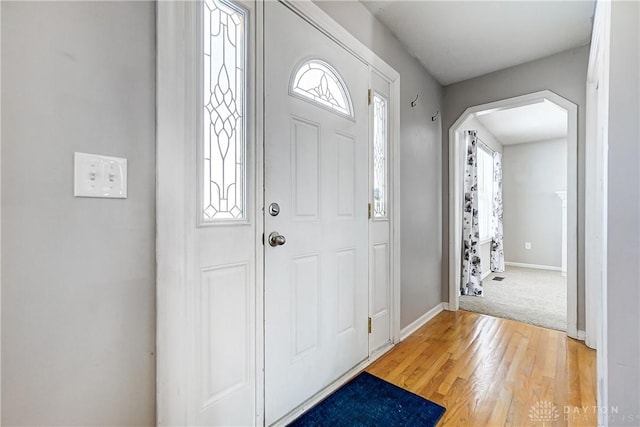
495 372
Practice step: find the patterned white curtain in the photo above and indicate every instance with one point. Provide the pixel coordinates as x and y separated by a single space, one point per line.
471 283
497 251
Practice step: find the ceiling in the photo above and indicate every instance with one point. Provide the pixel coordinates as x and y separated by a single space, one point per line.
529 123
459 40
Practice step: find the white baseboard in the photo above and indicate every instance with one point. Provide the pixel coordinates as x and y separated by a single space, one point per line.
420 321
536 266
445 306
582 335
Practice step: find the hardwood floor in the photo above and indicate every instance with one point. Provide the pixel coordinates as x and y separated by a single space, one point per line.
495 372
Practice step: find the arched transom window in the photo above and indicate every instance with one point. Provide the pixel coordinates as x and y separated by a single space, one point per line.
318 82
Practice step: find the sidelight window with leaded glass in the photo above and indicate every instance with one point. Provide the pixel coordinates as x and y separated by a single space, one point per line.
224 83
380 149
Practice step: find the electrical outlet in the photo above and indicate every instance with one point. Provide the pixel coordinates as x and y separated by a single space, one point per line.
527 245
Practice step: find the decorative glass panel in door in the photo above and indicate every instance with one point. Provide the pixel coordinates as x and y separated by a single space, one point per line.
224 104
380 144
318 82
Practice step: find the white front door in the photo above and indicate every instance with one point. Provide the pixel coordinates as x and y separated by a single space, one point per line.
316 170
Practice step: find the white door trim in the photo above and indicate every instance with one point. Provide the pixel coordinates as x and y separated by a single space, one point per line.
259 213
455 197
171 231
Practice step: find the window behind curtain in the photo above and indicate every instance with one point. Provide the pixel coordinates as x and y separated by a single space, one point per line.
485 192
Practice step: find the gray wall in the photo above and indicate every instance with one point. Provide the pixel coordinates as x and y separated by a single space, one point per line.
564 74
78 274
421 160
623 245
532 173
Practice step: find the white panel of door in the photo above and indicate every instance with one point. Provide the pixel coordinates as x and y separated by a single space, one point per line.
224 318
379 242
316 169
221 294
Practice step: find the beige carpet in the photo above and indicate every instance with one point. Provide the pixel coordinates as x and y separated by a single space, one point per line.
538 297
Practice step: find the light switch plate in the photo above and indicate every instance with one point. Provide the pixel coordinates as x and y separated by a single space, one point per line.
99 176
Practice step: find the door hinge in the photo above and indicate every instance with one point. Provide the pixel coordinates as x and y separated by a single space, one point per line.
262 239
369 325
369 210
369 96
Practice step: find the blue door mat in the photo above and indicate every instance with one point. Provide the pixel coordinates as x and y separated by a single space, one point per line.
368 401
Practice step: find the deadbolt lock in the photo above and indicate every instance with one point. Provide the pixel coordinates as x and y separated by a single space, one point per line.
274 209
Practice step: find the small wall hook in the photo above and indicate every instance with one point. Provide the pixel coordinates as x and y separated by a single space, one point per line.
414 102
435 116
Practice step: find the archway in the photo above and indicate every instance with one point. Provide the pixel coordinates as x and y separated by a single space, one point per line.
455 196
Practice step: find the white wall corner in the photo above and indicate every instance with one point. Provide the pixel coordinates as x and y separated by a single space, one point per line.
0 210
421 321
